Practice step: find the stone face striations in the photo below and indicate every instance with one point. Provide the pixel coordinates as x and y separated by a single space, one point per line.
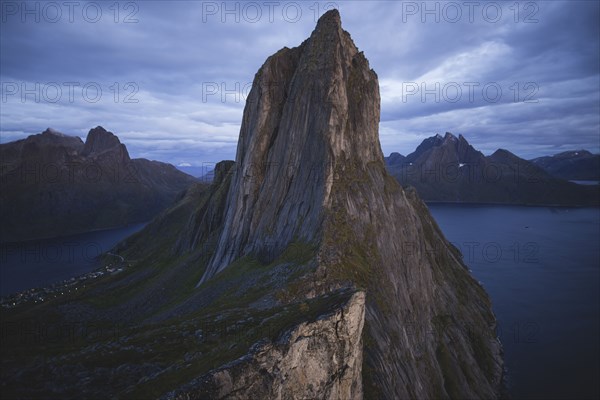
310 109
310 169
319 359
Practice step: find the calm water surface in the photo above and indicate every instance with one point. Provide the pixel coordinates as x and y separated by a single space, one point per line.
39 263
540 267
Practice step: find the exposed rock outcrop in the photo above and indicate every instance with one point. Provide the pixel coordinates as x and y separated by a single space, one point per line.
319 359
310 168
99 140
311 109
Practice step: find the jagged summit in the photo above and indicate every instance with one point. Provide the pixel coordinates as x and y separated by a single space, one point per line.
293 140
94 185
100 141
449 136
450 169
309 169
444 151
329 26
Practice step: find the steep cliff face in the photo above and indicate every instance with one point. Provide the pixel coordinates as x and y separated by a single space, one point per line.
99 141
319 359
310 109
310 169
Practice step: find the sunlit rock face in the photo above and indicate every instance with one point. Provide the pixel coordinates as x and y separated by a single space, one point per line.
311 109
319 359
309 168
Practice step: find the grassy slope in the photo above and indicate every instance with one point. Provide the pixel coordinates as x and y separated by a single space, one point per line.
157 330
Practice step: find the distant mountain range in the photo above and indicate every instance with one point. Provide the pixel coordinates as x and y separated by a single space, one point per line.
54 184
578 165
448 169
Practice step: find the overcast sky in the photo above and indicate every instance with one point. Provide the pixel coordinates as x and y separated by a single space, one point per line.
170 78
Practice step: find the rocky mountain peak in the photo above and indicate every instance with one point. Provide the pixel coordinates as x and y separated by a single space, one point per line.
221 170
395 159
321 117
309 170
100 141
437 151
329 43
330 18
502 153
53 132
449 136
329 28
50 137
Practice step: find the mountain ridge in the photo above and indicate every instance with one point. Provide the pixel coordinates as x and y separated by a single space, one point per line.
571 165
63 185
356 209
449 169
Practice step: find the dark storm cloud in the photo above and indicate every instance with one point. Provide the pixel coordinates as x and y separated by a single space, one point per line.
174 75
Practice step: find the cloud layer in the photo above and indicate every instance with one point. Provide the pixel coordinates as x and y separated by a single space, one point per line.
171 78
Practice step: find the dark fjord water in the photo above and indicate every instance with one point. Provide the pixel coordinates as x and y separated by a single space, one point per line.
541 268
39 263
539 265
